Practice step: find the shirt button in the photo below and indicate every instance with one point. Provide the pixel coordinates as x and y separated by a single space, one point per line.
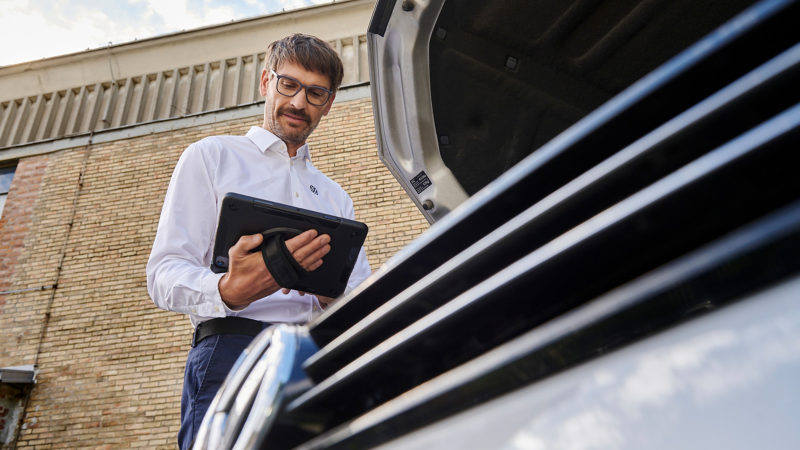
291 163
216 308
194 311
297 194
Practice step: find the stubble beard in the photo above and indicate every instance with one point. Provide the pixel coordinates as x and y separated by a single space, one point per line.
290 134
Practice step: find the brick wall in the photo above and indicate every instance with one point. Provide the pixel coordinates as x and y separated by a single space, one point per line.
17 217
111 364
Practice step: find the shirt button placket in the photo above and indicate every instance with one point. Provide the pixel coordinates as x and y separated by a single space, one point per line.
295 180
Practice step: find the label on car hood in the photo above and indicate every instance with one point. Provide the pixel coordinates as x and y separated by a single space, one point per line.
420 182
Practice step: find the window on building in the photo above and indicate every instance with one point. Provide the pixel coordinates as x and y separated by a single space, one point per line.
6 175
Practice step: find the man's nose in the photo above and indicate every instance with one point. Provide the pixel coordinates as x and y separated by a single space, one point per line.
299 101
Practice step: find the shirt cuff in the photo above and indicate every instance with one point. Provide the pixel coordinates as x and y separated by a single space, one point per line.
231 312
211 295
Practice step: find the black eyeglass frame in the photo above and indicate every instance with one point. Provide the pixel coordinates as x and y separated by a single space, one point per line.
330 93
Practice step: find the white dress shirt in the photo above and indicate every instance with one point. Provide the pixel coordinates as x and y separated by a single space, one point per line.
258 165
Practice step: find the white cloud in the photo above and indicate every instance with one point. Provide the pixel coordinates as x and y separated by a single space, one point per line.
292 4
28 35
177 15
30 31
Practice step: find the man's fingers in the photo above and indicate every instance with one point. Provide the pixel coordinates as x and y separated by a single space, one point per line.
245 244
314 265
310 261
300 240
286 291
303 253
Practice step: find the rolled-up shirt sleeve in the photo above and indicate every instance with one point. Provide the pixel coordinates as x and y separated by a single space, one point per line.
178 275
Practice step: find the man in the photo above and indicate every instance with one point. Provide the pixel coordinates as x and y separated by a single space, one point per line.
299 83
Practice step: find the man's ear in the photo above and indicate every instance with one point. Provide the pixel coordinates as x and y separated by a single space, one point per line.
328 106
262 86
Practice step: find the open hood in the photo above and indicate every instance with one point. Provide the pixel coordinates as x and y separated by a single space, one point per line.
463 90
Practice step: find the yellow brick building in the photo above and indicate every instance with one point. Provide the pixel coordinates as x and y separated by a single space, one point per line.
90 160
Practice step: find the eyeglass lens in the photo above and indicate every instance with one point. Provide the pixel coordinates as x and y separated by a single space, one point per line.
314 95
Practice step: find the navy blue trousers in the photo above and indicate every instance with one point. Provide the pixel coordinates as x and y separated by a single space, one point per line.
207 367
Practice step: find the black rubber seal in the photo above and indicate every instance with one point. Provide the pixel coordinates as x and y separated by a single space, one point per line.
285 270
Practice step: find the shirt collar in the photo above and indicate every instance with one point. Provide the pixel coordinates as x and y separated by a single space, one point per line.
264 140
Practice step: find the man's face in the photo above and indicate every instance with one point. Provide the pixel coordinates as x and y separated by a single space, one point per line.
292 119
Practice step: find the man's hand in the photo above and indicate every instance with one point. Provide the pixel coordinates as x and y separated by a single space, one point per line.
324 301
248 279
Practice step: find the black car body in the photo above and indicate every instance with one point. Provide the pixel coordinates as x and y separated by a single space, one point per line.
615 256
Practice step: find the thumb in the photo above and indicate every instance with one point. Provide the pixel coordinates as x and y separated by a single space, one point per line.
245 244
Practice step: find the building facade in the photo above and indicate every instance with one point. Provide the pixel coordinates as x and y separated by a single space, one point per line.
88 143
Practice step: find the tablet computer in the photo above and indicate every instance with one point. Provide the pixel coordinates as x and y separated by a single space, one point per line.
241 215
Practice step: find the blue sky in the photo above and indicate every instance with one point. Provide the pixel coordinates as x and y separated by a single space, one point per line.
33 29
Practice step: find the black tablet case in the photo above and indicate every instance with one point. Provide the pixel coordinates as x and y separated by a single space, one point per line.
241 215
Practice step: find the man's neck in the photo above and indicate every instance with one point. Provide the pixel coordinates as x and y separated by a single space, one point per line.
291 148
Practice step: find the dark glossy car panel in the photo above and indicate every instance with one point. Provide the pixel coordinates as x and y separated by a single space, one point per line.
613 186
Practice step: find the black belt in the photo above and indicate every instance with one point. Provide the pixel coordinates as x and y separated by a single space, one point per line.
227 325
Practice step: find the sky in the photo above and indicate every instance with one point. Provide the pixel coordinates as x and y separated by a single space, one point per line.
34 29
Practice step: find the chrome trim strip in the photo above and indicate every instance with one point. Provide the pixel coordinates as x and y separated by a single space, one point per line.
227 392
280 360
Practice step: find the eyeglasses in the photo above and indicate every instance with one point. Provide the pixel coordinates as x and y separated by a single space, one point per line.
288 86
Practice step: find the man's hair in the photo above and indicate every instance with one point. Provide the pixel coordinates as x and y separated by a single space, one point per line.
311 52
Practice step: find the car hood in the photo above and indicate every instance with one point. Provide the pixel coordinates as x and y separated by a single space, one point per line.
463 90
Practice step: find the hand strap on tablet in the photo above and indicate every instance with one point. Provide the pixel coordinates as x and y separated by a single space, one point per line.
285 270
